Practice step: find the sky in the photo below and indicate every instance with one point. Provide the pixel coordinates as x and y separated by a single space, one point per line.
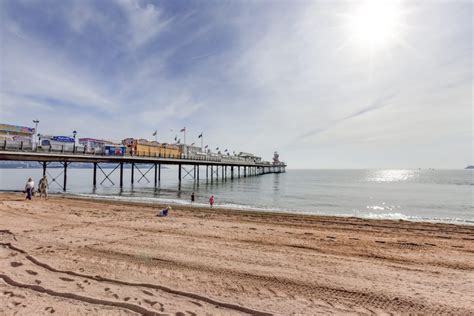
327 84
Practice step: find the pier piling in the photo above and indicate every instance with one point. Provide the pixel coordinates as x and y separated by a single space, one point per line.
121 175
65 176
94 177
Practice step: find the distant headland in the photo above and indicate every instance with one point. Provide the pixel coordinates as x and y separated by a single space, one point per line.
469 167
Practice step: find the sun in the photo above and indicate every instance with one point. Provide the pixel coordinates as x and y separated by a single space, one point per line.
375 23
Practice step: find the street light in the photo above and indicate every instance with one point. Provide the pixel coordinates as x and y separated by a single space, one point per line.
74 133
36 131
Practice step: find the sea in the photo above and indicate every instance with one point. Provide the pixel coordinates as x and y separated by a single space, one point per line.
416 195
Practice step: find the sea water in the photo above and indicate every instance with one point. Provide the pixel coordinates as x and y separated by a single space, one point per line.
421 195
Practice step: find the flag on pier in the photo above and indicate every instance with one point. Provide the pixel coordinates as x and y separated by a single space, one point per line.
155 132
200 135
225 150
192 144
206 146
217 148
176 138
183 129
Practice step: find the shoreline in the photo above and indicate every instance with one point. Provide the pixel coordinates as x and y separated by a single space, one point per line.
83 256
202 206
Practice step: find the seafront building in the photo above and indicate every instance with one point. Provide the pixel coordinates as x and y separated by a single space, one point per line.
17 133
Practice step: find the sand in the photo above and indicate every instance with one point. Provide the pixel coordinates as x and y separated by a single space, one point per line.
82 257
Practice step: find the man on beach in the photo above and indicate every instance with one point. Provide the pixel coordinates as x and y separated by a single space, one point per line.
192 197
43 187
30 185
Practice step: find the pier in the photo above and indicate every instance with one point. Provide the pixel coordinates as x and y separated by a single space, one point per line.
189 166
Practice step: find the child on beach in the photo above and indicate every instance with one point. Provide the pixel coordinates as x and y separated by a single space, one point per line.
211 200
164 212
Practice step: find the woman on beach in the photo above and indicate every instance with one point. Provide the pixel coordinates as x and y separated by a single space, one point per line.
30 184
43 187
211 200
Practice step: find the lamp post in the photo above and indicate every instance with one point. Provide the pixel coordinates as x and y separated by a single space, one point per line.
74 133
36 131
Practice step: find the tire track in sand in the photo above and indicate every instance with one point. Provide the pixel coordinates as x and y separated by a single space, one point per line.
195 296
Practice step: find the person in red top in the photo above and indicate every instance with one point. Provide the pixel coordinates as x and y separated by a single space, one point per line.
211 200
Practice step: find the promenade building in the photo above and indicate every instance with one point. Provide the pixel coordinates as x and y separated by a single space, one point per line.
16 133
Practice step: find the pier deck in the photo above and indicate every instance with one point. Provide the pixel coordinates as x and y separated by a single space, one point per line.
212 164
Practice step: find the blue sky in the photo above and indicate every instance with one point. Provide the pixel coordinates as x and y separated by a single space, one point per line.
254 76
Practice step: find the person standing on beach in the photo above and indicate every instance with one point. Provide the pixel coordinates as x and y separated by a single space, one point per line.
43 187
211 200
30 185
192 197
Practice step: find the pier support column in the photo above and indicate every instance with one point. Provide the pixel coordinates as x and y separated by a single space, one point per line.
212 174
65 177
197 166
156 174
179 173
94 177
44 168
217 172
207 172
121 175
245 172
133 173
159 172
232 173
194 172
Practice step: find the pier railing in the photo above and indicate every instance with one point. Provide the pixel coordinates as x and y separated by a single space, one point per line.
27 147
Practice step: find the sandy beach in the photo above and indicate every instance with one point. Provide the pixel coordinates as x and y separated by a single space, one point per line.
77 257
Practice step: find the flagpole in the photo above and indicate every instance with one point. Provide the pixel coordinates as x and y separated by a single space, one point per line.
201 141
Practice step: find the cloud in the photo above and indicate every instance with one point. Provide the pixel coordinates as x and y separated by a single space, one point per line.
253 77
145 21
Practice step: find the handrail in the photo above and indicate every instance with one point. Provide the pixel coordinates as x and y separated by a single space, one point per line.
63 151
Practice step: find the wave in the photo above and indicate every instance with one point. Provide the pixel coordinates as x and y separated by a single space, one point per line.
242 207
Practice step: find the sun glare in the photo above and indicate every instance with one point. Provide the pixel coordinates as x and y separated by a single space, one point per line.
375 23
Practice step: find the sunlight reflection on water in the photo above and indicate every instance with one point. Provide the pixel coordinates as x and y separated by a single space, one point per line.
392 175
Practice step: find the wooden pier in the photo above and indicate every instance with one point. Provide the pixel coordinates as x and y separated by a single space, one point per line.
187 166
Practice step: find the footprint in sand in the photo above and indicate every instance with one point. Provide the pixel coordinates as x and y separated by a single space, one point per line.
148 293
150 302
32 272
37 281
16 264
51 310
67 279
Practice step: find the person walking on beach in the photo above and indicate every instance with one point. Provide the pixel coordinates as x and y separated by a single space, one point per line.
192 197
43 187
30 185
211 200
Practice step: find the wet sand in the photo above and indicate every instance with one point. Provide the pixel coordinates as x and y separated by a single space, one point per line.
82 257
